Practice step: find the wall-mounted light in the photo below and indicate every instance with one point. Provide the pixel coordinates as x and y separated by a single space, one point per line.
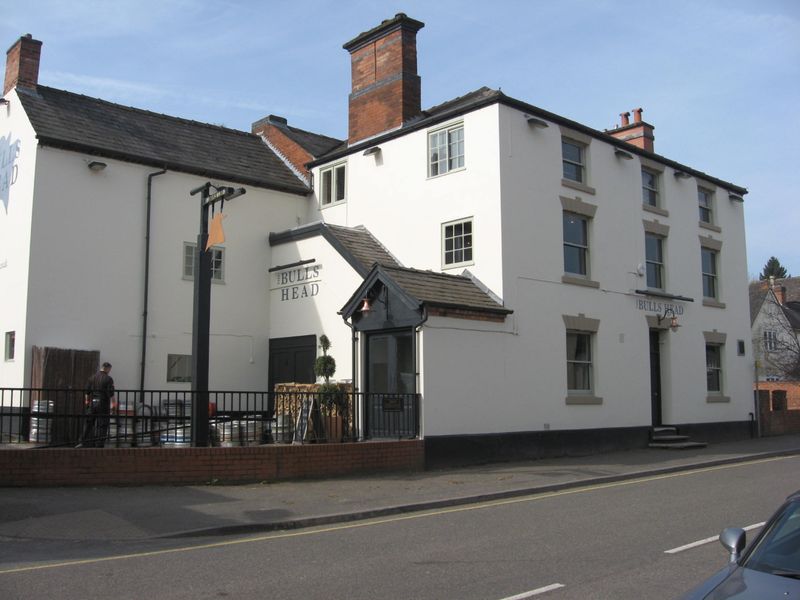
735 198
673 319
372 151
620 153
682 175
96 165
534 122
3 101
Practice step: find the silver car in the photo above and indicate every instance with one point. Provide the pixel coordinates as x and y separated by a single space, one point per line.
770 568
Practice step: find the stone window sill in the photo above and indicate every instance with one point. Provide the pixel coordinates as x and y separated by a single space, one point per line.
655 209
713 303
583 400
577 280
575 185
717 399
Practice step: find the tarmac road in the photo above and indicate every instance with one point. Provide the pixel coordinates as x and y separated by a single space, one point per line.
601 540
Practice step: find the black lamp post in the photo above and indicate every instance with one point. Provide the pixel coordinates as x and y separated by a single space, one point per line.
201 314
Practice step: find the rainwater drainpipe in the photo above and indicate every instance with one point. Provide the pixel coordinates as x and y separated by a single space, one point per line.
146 278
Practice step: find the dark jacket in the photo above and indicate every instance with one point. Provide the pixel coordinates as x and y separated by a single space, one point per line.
100 387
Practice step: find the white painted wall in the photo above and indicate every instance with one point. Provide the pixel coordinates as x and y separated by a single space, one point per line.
392 195
292 313
17 173
87 273
492 378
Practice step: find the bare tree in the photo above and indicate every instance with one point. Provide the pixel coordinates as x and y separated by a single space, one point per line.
777 341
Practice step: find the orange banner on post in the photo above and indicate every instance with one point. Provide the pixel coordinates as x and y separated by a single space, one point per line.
215 233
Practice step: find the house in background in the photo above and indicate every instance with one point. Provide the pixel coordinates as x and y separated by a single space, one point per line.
775 322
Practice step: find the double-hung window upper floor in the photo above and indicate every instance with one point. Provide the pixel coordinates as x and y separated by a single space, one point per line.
770 340
654 260
446 149
653 197
573 156
705 200
709 267
333 184
575 171
576 220
655 237
650 185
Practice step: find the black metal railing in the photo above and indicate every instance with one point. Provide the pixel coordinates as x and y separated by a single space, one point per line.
58 418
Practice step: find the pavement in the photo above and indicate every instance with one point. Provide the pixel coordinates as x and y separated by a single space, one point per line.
147 512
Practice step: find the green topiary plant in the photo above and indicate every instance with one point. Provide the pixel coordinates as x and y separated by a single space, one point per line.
325 366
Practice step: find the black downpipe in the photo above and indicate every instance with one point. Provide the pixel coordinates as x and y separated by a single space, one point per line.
146 278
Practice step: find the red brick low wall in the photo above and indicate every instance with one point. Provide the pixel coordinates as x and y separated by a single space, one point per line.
185 466
792 389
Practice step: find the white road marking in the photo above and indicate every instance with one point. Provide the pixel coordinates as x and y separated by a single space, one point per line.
707 541
536 592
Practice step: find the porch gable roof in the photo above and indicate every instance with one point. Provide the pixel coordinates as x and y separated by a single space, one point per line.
423 290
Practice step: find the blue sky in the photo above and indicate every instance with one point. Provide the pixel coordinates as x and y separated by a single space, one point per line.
719 79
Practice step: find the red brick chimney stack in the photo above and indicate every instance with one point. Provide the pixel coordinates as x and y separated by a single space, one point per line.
22 63
386 89
639 133
273 128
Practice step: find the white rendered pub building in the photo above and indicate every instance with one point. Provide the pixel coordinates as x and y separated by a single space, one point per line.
544 287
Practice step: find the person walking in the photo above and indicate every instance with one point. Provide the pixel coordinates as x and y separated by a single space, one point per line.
99 400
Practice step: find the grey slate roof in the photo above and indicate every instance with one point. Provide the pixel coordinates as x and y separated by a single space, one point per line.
83 124
443 290
314 143
486 96
356 244
363 246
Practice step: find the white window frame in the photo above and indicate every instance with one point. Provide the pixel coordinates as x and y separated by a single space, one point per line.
715 369
651 191
217 262
588 364
337 174
583 248
581 163
657 264
10 345
464 248
455 150
770 340
711 277
705 205
182 363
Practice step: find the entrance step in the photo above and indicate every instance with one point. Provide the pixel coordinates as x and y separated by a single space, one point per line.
668 437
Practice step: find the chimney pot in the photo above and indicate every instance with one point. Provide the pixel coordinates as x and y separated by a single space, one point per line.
637 115
625 119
